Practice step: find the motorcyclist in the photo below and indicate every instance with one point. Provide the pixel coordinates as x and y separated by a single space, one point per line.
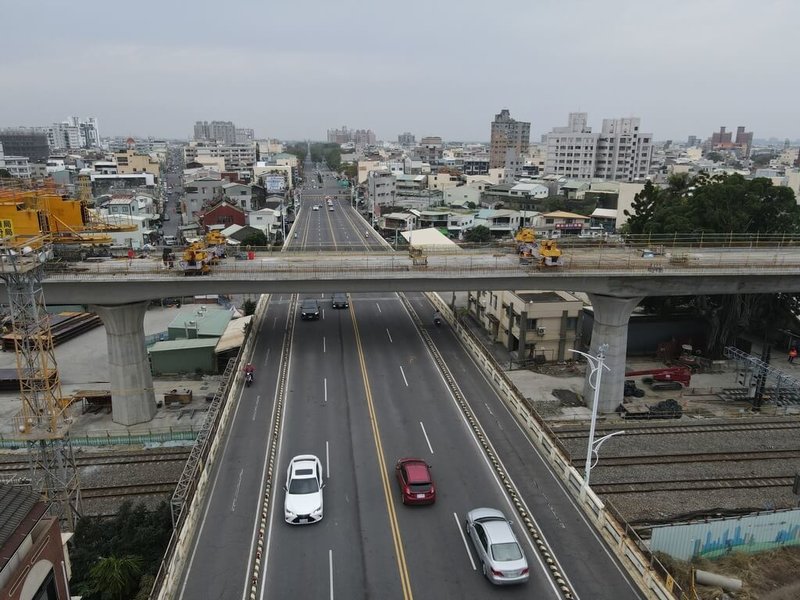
437 317
366 234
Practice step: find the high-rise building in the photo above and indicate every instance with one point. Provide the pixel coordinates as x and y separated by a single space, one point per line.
571 150
508 136
406 140
620 151
74 133
721 138
26 141
744 140
623 152
244 136
359 137
220 131
693 141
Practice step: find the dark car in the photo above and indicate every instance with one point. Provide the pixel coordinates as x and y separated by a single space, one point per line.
309 310
339 300
416 484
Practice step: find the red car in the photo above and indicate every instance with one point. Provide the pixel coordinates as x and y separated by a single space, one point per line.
416 483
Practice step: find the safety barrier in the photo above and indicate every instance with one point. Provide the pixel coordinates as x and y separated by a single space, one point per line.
178 551
646 571
115 438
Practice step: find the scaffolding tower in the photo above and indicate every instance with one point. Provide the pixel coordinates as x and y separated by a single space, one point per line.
43 421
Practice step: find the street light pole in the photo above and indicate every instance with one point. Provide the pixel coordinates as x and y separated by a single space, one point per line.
597 364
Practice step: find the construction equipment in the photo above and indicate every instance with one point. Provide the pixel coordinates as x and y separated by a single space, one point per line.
669 378
544 252
201 255
44 420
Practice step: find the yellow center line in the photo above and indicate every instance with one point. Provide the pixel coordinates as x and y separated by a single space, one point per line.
400 556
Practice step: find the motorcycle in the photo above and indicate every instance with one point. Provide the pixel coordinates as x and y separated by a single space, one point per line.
248 379
437 321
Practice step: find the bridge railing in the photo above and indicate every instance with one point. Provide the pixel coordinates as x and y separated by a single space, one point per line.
605 260
642 565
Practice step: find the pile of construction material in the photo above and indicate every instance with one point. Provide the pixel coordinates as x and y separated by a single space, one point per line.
63 326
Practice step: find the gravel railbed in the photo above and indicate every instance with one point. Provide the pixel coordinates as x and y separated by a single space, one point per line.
648 506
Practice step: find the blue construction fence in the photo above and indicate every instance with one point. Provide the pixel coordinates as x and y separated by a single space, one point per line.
116 438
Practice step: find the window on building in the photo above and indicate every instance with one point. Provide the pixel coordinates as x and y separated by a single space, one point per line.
572 323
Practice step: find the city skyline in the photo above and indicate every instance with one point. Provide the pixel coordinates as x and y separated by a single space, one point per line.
683 69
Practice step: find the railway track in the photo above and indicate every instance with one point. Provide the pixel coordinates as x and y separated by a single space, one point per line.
576 433
123 491
106 459
700 457
692 485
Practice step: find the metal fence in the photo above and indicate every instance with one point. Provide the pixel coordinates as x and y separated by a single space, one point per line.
109 437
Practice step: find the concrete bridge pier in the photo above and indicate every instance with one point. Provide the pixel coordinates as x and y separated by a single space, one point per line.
133 397
611 315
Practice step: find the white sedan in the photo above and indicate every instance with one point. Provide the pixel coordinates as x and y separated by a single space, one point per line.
303 502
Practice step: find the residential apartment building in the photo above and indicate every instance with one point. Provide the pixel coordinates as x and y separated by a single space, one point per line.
131 162
623 152
199 193
74 133
510 139
381 190
430 149
236 156
17 166
570 151
359 137
619 152
219 131
244 136
406 140
25 141
541 326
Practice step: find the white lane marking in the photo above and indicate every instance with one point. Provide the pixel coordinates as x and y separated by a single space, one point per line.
274 322
236 493
266 358
330 562
323 344
323 314
464 539
379 307
403 373
488 408
325 384
327 461
255 409
390 336
425 433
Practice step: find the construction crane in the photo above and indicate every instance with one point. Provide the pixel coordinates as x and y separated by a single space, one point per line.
43 421
35 220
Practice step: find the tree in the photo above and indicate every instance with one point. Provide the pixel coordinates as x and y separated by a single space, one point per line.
257 238
115 578
478 234
722 204
5 174
249 307
643 208
715 156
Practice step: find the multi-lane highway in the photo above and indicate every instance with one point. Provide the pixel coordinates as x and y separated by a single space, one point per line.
363 390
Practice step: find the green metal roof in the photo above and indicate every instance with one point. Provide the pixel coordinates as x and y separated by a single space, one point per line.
211 323
172 345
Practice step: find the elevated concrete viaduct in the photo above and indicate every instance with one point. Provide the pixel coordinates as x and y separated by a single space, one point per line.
121 298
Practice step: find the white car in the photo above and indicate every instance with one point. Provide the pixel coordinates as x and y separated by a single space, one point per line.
502 559
315 207
303 502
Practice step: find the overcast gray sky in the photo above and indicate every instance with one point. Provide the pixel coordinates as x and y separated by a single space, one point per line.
292 70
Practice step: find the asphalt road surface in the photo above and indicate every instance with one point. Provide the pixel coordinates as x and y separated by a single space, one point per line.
363 391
